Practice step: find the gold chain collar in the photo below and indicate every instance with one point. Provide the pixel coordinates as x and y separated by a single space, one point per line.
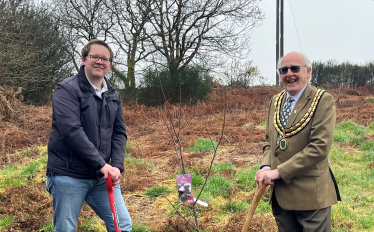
285 133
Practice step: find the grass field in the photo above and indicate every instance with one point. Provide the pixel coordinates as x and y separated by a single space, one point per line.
229 190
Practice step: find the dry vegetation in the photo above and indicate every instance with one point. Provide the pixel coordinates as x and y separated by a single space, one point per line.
24 127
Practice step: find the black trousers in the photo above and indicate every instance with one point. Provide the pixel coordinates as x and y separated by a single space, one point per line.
303 220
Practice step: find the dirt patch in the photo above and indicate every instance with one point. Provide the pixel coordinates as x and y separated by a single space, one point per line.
28 205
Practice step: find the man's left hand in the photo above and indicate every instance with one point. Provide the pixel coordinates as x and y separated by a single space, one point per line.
116 175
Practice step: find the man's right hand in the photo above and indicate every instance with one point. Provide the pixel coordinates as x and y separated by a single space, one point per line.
105 170
266 176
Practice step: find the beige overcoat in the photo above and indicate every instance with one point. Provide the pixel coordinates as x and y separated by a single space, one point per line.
307 181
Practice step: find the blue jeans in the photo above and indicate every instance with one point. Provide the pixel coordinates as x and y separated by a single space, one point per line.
69 194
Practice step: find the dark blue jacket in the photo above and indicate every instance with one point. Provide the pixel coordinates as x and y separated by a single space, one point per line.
87 132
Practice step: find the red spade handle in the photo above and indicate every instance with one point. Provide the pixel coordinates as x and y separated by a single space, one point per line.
110 188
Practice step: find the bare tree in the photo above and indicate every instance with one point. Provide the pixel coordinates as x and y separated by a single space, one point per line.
118 22
179 31
81 21
188 30
130 18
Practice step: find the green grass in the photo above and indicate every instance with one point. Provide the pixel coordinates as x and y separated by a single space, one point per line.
263 124
202 145
367 146
138 164
137 227
233 207
368 156
15 175
245 178
92 224
370 99
156 191
217 186
350 132
264 206
356 185
129 160
47 227
222 167
5 222
370 128
197 180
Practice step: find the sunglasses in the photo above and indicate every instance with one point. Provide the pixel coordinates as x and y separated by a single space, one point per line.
294 69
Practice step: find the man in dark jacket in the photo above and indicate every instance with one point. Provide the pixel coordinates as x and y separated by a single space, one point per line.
87 142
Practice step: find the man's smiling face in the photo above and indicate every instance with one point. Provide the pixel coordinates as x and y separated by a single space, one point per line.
98 69
294 82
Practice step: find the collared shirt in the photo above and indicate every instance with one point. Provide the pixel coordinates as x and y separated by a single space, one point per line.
296 97
98 92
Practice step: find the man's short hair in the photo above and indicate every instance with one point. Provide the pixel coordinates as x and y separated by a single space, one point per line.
87 47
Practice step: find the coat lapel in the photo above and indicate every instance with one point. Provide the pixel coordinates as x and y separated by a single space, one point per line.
300 106
275 136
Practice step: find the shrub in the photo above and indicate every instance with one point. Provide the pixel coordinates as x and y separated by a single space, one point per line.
191 83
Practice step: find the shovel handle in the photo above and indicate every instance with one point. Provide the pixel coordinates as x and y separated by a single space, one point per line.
112 202
251 212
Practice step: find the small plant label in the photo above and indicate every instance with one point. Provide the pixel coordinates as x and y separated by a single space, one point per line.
184 186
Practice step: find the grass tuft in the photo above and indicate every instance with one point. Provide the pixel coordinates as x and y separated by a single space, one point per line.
245 178
222 167
156 191
233 207
217 186
5 222
202 145
136 227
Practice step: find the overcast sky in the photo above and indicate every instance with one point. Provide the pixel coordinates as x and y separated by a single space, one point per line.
327 29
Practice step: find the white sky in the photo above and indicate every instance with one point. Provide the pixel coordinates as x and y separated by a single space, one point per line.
342 30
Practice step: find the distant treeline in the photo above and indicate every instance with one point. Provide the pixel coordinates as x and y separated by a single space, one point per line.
342 74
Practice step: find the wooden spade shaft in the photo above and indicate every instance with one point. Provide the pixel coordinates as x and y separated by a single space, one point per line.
251 212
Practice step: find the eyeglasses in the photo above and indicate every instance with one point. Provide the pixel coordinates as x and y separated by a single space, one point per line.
97 58
294 69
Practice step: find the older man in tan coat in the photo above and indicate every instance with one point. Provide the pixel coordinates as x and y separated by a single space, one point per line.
299 133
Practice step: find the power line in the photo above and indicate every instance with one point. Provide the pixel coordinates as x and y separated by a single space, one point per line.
297 33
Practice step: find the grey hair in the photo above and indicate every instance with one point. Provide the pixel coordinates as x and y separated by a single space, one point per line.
306 62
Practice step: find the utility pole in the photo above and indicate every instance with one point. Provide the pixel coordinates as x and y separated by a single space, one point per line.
279 35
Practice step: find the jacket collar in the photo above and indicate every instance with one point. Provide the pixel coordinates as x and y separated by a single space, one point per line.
84 84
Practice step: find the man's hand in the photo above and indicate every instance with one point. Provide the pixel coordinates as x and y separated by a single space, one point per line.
266 176
116 175
113 171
